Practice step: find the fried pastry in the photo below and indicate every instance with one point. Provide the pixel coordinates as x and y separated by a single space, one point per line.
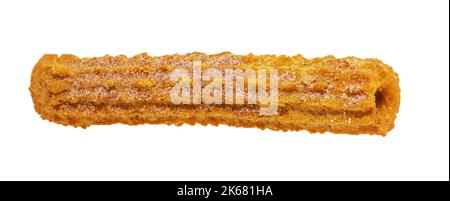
339 95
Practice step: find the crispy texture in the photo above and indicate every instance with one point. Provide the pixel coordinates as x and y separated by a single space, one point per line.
345 95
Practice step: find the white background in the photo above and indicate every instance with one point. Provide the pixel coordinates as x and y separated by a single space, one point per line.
412 36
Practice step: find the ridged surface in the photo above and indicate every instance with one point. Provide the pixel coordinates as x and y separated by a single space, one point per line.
347 95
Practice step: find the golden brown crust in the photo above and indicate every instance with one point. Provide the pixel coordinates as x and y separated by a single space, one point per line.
346 95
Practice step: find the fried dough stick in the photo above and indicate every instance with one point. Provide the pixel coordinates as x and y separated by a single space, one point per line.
338 95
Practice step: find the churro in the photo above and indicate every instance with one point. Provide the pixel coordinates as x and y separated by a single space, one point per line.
327 94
